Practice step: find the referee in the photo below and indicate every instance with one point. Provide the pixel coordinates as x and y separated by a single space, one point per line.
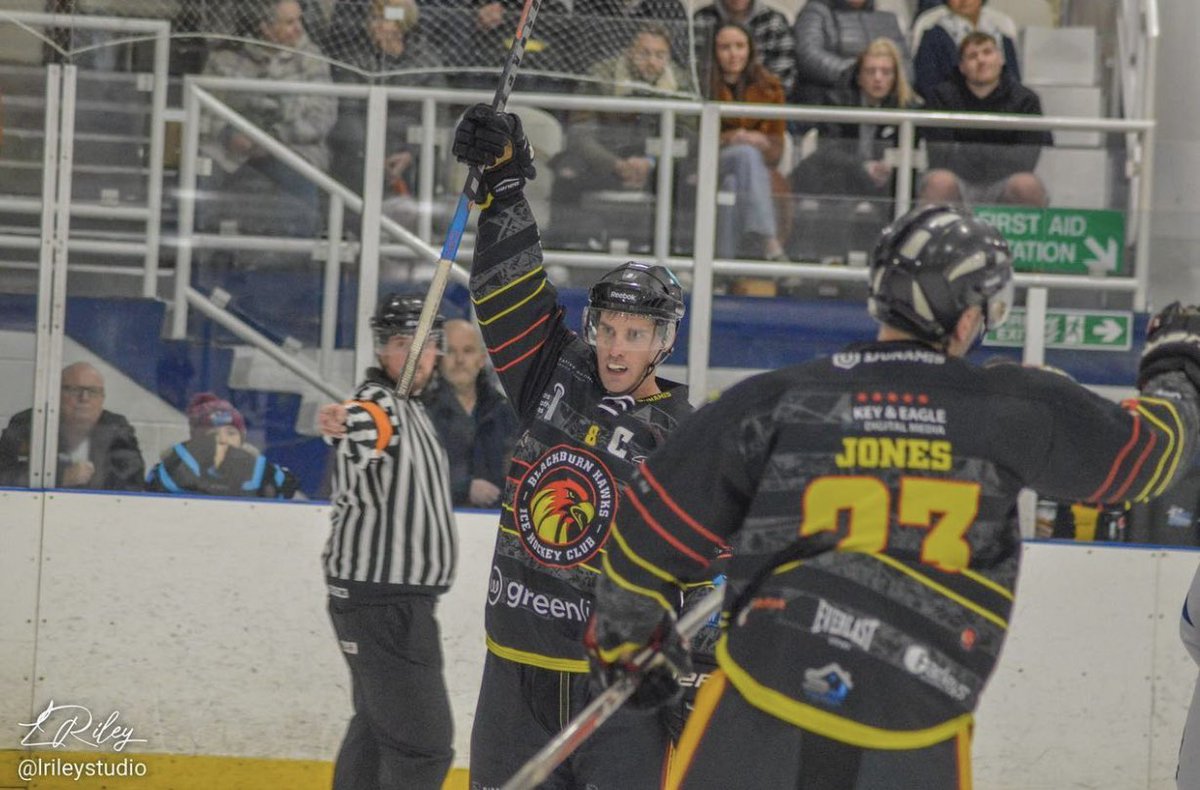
391 553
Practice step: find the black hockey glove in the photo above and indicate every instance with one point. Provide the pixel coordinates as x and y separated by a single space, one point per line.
495 142
611 659
1172 344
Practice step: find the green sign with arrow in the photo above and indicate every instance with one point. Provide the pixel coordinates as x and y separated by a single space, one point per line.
1104 330
1061 240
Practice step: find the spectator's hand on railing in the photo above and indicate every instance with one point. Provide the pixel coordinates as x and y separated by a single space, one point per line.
331 420
633 171
490 16
879 171
483 493
77 474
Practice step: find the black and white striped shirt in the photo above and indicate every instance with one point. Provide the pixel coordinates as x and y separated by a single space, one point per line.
393 522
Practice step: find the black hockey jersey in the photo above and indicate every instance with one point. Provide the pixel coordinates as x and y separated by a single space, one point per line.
572 457
869 499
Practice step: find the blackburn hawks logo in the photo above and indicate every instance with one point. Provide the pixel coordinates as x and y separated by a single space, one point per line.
564 505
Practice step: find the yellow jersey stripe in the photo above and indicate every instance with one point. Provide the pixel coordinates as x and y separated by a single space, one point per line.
537 659
641 562
518 305
697 724
622 582
1158 470
984 581
1174 412
943 590
506 286
830 725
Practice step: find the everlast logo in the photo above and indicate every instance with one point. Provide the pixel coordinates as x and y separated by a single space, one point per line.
837 623
869 452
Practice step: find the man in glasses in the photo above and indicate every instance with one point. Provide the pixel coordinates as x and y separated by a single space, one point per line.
97 449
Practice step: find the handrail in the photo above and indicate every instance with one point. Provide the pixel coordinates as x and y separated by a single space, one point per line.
260 341
161 31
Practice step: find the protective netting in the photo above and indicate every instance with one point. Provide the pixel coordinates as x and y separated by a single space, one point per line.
601 46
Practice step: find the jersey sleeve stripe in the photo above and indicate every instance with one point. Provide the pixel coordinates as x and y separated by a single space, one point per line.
515 306
1131 478
526 331
513 283
624 583
1098 494
383 426
1176 438
676 509
641 562
521 358
1163 457
664 534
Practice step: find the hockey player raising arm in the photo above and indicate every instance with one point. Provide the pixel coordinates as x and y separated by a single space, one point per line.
870 502
590 409
391 553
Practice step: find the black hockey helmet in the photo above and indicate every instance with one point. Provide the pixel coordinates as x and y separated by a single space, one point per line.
931 265
638 289
399 314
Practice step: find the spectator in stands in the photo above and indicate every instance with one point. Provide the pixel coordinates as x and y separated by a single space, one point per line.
750 148
475 422
381 46
984 165
97 449
217 460
303 122
937 37
1081 521
830 36
849 159
605 150
769 29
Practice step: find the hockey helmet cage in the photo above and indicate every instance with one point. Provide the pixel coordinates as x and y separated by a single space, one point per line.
399 314
638 289
932 264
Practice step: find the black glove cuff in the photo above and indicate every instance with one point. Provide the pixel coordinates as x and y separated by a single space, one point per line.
1163 361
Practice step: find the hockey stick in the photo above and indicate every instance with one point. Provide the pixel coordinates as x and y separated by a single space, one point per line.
579 729
458 224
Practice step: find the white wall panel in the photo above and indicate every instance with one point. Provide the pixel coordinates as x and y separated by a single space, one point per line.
203 622
20 531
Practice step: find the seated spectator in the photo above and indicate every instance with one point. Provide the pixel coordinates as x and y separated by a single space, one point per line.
769 29
750 148
1083 522
830 36
475 422
606 150
216 460
849 159
302 122
97 449
981 166
938 35
381 46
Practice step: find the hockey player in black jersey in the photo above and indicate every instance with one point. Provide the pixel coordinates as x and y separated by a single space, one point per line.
591 408
870 503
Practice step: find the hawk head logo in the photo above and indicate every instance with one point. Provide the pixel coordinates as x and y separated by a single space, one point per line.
561 510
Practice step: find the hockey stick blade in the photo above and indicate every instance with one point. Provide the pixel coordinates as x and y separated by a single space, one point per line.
458 224
539 767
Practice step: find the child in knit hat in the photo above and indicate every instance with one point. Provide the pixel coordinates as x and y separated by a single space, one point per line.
216 460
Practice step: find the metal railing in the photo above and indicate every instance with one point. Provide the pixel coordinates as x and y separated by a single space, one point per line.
148 250
703 262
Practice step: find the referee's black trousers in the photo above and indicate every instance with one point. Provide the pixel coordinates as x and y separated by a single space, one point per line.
401 735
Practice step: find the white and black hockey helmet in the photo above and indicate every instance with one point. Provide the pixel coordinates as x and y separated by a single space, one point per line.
399 314
932 264
638 289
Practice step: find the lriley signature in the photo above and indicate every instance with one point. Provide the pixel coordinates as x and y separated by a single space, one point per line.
73 724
